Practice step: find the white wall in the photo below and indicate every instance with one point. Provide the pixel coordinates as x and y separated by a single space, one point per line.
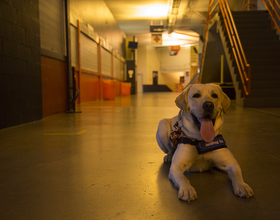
178 63
153 64
260 5
171 79
147 63
169 68
141 62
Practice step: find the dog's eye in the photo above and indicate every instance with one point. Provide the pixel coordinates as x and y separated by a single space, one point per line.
196 95
214 95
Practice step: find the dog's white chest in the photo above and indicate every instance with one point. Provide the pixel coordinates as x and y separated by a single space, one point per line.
201 164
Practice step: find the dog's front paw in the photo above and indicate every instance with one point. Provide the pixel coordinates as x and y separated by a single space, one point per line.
243 190
187 193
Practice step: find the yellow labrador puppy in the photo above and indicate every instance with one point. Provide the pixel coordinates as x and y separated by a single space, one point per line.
193 141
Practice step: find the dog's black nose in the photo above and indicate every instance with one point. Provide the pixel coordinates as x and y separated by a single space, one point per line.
208 106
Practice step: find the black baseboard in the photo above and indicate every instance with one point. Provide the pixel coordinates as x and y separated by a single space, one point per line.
156 88
230 92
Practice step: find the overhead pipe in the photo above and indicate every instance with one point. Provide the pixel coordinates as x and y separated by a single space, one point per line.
172 15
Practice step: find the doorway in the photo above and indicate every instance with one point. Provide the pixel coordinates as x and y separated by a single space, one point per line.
155 77
139 83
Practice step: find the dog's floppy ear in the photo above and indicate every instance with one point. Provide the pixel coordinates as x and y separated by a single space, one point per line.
182 100
224 99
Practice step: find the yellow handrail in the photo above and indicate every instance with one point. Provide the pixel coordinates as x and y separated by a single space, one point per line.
271 13
243 66
209 12
213 9
277 3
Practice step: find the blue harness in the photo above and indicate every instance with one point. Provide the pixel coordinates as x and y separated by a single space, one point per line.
179 137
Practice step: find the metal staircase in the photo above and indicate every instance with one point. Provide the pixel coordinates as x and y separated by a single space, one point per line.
252 51
262 48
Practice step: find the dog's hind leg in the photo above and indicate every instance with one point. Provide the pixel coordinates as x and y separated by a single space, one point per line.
162 136
168 158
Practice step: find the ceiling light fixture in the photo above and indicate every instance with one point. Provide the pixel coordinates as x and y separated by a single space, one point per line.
153 11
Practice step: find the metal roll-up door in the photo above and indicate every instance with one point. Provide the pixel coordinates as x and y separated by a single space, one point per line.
116 68
74 46
89 53
106 62
52 26
123 71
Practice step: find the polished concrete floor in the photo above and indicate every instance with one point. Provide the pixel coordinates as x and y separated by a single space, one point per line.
104 163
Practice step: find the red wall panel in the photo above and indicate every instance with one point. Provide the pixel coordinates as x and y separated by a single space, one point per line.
89 90
54 86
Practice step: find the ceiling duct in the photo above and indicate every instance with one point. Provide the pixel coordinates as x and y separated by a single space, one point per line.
172 14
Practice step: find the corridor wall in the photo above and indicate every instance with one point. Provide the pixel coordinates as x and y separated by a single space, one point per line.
53 57
20 72
94 60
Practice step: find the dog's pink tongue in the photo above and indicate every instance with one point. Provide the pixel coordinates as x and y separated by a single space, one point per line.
206 129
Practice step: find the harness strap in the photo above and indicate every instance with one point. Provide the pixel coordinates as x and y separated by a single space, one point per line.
186 140
202 146
179 137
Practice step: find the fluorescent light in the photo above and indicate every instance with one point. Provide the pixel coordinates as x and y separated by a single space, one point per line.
178 39
153 11
179 36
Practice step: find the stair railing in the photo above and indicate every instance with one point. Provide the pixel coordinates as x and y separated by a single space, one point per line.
208 18
245 5
272 11
211 8
243 66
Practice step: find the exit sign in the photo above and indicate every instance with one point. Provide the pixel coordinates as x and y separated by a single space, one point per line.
156 28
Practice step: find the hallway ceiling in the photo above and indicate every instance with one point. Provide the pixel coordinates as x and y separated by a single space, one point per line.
134 17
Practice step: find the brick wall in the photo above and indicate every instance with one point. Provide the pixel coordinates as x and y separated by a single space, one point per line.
20 62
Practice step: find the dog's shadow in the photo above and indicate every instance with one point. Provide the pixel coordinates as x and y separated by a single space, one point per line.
200 179
163 174
164 169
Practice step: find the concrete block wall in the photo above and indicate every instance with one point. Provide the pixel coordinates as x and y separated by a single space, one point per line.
20 62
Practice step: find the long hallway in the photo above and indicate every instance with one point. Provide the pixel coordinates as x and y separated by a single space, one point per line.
104 163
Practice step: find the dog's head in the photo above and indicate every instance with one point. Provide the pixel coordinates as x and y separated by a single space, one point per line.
204 102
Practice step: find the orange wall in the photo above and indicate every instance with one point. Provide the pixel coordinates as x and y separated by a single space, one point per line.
118 88
54 86
90 89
